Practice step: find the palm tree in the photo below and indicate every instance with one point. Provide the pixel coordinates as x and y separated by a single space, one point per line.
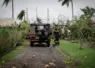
21 15
88 12
67 3
39 20
6 2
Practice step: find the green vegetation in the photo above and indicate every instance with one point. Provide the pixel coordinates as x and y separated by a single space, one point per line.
12 54
82 29
9 36
21 15
85 56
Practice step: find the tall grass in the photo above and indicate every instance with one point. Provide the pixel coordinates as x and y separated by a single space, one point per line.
8 38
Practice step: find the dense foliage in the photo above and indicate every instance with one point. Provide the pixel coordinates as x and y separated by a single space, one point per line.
21 15
83 28
8 38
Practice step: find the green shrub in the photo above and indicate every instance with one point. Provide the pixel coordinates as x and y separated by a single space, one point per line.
8 38
4 39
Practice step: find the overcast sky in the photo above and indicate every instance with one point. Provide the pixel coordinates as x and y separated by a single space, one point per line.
54 6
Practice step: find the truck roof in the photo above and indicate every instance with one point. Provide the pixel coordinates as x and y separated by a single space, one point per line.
38 24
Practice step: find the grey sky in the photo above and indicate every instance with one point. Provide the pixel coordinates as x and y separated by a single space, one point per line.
53 5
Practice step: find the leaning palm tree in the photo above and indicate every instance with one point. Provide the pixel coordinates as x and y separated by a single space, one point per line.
88 12
67 3
6 2
21 15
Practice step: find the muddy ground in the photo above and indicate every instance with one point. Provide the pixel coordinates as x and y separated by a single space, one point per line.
36 57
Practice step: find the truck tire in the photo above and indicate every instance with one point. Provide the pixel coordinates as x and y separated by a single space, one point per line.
48 43
31 44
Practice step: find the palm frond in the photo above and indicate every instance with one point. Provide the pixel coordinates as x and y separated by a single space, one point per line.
21 15
39 20
6 2
65 2
89 12
60 0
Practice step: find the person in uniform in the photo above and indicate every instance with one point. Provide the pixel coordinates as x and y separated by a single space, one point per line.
56 36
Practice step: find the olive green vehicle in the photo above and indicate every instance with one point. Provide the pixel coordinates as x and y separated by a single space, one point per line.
40 34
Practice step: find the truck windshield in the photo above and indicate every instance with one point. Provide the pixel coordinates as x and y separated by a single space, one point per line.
40 27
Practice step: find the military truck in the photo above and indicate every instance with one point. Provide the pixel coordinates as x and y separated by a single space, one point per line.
39 34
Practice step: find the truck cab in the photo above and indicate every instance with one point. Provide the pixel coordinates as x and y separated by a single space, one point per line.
40 34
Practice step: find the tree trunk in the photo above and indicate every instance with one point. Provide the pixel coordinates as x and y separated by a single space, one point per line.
72 7
13 9
24 17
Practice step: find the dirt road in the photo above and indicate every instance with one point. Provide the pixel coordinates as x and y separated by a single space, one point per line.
37 57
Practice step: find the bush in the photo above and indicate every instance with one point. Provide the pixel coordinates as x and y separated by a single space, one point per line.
8 38
4 39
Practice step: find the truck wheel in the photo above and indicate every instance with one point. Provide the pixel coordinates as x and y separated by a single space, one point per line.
48 43
31 43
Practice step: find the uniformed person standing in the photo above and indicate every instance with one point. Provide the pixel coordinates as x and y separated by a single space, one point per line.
56 36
